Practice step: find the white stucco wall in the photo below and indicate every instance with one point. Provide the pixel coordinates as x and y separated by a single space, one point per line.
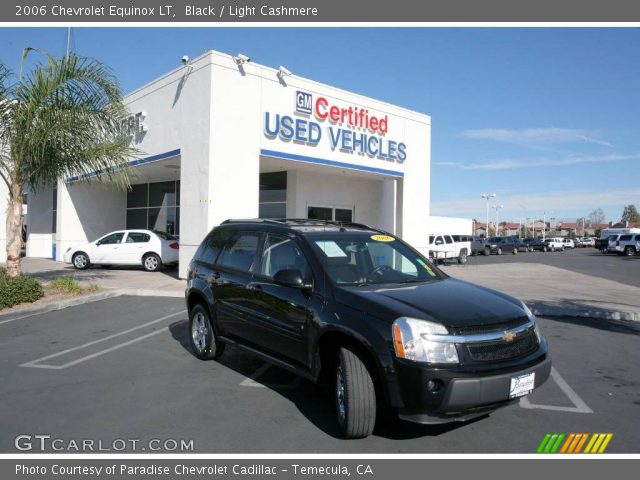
4 195
39 223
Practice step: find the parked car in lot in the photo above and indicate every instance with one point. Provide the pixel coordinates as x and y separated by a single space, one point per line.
500 245
151 249
362 310
535 244
602 243
629 244
586 242
624 244
568 243
554 244
445 247
521 245
479 246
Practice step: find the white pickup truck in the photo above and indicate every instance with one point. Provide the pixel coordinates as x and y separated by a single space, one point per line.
449 247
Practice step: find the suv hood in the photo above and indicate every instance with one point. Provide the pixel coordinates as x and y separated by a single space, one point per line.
450 302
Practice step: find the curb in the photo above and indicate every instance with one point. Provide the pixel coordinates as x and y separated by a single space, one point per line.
598 314
81 300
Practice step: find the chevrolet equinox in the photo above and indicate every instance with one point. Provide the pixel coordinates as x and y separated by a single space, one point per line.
360 309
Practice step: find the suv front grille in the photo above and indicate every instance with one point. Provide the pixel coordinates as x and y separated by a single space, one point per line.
493 327
502 350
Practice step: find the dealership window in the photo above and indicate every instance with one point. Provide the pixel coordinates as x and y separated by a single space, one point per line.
273 195
330 213
154 206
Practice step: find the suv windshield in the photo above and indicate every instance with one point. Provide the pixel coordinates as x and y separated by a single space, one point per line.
364 258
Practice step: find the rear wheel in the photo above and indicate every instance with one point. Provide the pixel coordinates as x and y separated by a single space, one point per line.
499 252
515 251
462 258
629 251
203 339
151 262
486 252
355 396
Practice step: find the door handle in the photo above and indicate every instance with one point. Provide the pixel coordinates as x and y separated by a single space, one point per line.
213 277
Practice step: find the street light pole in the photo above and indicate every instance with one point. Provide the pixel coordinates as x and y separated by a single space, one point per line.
487 196
497 208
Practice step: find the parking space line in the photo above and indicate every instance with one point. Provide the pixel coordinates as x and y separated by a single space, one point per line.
580 405
34 363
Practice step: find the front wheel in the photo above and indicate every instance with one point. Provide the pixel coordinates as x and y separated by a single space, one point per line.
80 261
486 252
151 262
499 252
629 251
515 251
355 396
203 339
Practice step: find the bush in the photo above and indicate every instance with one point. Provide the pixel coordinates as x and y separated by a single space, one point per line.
66 285
20 289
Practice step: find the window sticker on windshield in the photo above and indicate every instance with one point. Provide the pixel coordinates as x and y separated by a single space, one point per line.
382 238
330 248
426 267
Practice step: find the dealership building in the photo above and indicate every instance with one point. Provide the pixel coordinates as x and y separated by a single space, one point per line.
223 137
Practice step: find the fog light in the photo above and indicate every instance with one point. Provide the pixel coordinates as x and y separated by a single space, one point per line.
434 386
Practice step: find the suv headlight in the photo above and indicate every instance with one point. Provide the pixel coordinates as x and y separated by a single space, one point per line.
416 340
532 317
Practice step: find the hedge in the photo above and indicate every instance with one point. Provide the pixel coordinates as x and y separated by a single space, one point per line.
21 289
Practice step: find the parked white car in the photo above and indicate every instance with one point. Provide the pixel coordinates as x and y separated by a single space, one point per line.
624 244
151 249
554 244
444 247
568 243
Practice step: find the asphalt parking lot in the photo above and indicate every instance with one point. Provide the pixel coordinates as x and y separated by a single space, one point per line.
120 368
581 260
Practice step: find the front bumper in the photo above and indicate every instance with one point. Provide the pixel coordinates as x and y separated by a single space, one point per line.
466 395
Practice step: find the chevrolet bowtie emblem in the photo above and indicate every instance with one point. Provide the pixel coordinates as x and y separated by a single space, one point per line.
508 336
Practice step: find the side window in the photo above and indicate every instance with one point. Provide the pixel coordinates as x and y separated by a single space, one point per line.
457 238
240 252
448 239
431 239
138 237
210 247
282 253
112 239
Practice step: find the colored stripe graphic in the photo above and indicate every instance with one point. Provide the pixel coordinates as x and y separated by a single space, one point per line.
574 442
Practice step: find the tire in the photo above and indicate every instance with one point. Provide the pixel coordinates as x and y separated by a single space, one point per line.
462 258
486 252
151 262
355 396
201 335
629 251
553 248
604 250
515 251
530 249
499 251
80 261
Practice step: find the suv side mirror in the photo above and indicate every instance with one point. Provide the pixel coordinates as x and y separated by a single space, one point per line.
291 277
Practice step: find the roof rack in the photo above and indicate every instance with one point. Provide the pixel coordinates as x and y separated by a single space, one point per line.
303 221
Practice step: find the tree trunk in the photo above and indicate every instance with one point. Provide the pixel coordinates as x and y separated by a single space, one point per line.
14 230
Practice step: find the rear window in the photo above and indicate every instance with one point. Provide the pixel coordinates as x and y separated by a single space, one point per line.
138 237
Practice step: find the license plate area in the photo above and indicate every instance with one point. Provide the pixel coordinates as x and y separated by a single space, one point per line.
522 385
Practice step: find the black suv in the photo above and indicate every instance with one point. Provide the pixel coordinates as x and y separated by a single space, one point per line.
361 309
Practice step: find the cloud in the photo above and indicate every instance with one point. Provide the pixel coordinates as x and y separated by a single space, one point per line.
536 135
533 204
508 164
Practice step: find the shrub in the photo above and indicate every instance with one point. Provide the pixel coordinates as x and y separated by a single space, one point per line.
20 289
66 285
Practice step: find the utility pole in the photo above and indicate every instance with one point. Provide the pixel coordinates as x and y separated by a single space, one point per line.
487 196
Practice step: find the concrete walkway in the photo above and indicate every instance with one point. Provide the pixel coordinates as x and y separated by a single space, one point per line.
549 290
128 280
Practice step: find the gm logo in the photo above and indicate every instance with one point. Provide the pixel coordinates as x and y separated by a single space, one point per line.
303 102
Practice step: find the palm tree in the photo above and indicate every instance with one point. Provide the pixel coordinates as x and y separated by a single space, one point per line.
64 118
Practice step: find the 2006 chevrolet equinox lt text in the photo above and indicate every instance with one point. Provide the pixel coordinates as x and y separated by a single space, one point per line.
357 307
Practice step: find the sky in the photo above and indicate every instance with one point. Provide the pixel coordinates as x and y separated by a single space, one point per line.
548 119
